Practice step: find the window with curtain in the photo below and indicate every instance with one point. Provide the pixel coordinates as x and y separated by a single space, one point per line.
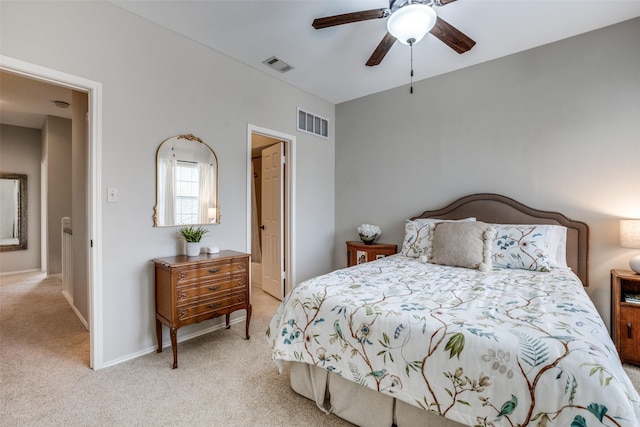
187 191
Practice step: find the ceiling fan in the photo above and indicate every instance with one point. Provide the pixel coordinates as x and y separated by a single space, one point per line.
409 21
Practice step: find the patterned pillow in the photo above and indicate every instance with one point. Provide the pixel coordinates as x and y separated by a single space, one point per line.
535 247
418 234
463 244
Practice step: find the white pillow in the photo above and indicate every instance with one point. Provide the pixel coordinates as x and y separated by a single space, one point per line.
535 247
418 234
558 246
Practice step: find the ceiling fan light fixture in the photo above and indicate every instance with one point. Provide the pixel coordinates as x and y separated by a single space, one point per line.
412 22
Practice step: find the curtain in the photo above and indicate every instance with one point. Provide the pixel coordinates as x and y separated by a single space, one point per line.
256 253
206 191
166 191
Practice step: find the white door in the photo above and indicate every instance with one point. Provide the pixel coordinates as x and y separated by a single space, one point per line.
272 220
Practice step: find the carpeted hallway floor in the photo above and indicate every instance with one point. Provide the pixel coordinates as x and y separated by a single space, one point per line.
223 379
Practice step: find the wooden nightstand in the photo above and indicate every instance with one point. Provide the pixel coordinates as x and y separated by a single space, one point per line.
625 316
358 252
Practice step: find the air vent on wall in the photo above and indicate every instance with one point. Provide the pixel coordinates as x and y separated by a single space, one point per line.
309 122
277 64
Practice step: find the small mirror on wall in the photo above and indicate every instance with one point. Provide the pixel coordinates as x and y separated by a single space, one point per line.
13 212
186 183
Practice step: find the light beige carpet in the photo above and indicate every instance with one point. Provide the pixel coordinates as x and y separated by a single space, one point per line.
222 379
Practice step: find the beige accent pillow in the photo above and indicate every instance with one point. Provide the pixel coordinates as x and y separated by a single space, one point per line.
418 234
463 244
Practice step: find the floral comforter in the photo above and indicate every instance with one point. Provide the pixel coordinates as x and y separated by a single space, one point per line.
502 348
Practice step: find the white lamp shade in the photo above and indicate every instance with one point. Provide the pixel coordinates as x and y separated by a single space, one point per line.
412 22
212 214
630 238
630 233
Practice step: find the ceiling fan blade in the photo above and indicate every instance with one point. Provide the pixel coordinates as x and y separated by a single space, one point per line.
381 51
347 18
451 36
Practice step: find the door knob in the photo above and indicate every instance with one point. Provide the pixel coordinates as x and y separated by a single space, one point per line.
262 227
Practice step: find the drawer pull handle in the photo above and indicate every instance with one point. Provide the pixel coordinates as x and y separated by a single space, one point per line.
214 270
629 330
214 288
216 305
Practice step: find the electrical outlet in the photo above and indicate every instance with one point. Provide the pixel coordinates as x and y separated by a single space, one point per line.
112 195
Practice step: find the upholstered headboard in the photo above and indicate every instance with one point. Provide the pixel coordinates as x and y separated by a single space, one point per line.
494 208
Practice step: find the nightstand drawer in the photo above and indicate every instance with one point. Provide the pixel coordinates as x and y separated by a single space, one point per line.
629 333
358 252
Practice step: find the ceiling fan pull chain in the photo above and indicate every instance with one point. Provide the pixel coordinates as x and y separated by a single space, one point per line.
411 88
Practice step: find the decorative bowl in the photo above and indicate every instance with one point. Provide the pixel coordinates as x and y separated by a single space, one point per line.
368 239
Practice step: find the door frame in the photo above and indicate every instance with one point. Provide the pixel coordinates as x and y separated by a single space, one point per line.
94 213
289 197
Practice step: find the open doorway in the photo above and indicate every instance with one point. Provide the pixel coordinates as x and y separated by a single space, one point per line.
271 231
89 239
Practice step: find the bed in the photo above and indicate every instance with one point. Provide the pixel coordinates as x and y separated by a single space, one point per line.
480 320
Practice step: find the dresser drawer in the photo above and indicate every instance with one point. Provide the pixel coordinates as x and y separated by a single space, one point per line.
209 271
210 307
209 289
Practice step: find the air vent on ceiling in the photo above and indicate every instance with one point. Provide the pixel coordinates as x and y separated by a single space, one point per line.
309 122
277 64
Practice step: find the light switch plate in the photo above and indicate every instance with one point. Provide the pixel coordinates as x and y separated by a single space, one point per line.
112 195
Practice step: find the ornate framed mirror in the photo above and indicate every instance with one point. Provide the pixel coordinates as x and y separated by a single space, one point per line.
13 212
186 183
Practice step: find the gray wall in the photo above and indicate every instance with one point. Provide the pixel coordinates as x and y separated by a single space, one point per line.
56 154
20 152
556 128
157 84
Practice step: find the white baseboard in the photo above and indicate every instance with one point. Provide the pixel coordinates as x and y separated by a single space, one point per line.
68 297
35 270
167 343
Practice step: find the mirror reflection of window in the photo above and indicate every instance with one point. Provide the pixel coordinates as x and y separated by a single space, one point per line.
187 193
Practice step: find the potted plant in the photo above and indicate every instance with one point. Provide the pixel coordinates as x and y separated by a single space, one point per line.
192 235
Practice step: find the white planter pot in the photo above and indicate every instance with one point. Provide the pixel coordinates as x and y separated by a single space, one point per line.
193 248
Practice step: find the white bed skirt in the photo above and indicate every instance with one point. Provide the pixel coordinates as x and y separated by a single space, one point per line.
357 404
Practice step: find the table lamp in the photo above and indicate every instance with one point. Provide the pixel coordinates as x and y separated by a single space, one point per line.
630 238
211 213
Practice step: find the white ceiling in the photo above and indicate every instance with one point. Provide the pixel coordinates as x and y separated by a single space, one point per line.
330 62
27 103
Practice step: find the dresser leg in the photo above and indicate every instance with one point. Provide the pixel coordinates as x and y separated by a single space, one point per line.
227 318
159 335
248 320
174 345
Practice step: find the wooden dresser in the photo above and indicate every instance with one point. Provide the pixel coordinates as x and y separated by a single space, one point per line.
192 289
